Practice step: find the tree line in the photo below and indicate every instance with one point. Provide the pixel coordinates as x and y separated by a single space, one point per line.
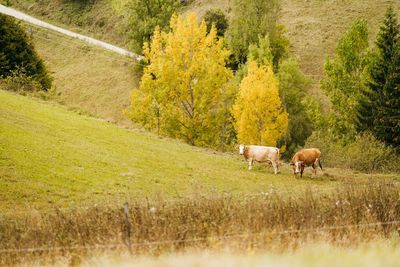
363 83
216 82
209 83
222 81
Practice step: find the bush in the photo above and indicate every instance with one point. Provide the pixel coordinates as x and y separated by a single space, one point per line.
368 154
20 82
331 148
365 153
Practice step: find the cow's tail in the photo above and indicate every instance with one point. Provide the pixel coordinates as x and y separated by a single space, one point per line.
319 163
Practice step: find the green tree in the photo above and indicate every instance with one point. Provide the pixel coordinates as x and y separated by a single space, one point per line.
145 16
217 18
345 78
260 53
379 110
251 19
184 92
258 113
17 54
292 89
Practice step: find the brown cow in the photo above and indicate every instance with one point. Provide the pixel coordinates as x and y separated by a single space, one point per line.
304 158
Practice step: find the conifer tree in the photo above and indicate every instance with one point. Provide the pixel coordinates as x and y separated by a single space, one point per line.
379 110
17 54
259 117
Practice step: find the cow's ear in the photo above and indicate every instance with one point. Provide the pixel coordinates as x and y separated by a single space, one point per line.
291 164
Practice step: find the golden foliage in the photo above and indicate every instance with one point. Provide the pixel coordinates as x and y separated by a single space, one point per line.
259 118
184 88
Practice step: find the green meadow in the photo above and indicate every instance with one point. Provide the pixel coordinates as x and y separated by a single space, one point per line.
52 156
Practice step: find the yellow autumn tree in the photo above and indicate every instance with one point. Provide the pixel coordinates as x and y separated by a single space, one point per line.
184 88
259 117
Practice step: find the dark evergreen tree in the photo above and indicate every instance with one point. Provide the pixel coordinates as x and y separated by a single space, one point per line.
18 54
379 110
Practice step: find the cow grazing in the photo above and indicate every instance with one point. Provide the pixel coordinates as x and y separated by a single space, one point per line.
260 154
304 158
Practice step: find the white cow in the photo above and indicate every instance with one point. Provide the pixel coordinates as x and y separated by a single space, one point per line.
260 154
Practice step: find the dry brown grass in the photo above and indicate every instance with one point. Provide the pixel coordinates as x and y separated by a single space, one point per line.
348 216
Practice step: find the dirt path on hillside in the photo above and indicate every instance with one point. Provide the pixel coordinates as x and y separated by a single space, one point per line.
22 16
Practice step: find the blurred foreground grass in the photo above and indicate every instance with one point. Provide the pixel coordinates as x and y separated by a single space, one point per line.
375 254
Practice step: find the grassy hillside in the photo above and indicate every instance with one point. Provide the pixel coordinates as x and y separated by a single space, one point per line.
314 26
86 78
49 155
100 19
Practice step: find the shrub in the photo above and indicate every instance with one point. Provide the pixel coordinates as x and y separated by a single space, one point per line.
365 153
20 82
369 154
331 148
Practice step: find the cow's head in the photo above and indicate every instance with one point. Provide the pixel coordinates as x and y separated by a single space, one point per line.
296 166
242 148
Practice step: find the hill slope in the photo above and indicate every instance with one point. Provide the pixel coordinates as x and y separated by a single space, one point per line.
314 26
87 78
49 155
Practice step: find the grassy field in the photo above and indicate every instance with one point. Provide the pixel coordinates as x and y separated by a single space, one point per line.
52 156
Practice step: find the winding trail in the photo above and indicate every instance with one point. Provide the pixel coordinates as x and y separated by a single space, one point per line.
22 16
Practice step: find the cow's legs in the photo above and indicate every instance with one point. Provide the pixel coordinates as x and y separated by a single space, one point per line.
301 171
319 162
276 166
250 164
315 169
